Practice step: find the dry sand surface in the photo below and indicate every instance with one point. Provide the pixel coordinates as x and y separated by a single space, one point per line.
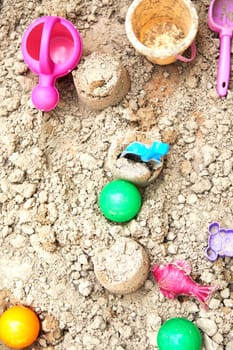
52 171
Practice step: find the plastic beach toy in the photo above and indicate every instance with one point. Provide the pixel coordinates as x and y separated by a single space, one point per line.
220 242
51 47
19 327
162 30
174 280
179 334
120 201
147 153
220 20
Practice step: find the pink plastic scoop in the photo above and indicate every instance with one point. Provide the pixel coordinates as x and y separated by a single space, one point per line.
51 47
220 19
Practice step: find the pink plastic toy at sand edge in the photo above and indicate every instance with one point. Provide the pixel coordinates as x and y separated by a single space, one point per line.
220 20
51 48
173 279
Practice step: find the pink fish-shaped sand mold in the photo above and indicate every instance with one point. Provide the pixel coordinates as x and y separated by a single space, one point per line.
173 280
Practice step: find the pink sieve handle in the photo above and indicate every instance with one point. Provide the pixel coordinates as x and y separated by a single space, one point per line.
224 65
45 62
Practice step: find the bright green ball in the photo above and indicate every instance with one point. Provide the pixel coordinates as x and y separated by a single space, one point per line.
120 201
179 334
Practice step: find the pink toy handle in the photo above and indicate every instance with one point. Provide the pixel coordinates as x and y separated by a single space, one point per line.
224 65
193 54
45 62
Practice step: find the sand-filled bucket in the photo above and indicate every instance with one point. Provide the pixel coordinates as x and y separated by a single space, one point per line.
162 30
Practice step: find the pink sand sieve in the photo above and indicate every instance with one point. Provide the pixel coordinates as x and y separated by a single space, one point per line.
51 48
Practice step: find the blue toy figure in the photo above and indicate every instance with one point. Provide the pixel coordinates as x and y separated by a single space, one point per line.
147 153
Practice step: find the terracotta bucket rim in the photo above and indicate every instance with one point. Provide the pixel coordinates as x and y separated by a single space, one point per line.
163 52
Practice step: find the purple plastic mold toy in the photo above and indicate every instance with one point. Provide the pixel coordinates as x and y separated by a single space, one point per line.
220 242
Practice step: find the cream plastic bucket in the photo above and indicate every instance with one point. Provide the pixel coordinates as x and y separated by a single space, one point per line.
162 30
